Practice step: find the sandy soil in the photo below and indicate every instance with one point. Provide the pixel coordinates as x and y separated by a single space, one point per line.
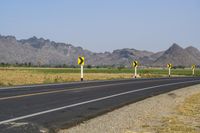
159 114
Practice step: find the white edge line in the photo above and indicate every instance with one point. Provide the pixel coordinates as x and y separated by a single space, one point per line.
89 101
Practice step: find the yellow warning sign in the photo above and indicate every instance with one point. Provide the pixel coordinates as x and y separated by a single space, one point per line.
193 66
169 65
81 60
135 63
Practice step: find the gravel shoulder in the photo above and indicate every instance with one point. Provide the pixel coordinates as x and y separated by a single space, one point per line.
175 111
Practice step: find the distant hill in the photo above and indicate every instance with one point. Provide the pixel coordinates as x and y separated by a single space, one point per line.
179 56
194 52
39 51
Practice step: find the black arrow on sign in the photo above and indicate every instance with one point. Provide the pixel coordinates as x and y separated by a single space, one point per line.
135 63
81 60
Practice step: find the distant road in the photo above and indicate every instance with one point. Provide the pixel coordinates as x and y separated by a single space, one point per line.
54 106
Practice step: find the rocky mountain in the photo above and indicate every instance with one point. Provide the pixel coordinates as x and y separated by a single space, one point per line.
40 51
179 56
194 52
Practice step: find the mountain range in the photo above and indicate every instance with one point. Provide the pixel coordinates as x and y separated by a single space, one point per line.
40 51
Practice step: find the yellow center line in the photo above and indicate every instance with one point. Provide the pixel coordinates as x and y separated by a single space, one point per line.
74 89
57 91
32 94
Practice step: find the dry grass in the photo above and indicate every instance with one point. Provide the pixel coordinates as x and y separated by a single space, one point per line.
186 119
191 106
172 124
21 77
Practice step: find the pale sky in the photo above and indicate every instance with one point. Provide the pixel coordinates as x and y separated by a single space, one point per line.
105 25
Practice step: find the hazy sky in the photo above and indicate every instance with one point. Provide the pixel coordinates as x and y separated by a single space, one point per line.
105 25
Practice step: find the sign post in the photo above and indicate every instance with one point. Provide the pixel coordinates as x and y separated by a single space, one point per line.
193 69
135 65
169 67
135 72
81 61
81 72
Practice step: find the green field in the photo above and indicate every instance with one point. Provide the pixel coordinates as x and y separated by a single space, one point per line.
159 71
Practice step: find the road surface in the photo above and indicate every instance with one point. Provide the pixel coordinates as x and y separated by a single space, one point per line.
42 108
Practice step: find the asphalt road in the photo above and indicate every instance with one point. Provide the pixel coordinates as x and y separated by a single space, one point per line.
46 108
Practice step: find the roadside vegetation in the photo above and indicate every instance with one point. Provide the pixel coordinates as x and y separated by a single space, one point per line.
38 75
185 120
